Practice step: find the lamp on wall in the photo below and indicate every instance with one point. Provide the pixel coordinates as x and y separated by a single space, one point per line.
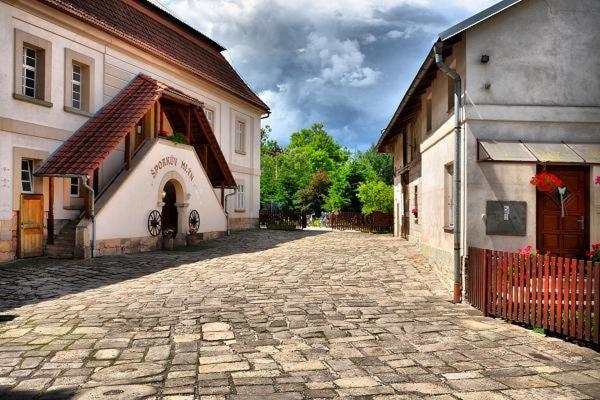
485 59
163 194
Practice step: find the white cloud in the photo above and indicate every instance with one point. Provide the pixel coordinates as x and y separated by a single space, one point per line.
341 62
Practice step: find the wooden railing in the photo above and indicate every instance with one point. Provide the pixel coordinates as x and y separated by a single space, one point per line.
374 222
281 220
560 295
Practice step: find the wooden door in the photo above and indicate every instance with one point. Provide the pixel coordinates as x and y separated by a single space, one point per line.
565 235
169 210
31 225
405 205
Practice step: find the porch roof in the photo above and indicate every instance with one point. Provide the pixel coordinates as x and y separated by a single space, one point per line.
523 151
95 140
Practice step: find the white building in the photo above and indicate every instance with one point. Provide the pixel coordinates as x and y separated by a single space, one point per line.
530 95
104 92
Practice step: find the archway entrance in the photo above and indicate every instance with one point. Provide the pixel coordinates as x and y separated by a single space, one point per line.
169 210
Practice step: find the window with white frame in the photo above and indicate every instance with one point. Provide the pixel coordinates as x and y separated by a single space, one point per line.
74 187
448 196
210 116
240 135
26 176
76 87
29 74
241 200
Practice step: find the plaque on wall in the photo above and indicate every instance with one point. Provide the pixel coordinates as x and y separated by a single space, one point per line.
506 218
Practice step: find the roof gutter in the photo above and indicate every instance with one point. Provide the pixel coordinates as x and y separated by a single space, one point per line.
456 204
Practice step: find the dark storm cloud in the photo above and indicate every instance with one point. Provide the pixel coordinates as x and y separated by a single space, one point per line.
346 66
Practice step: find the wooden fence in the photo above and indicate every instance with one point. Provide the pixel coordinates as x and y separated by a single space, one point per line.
374 222
281 220
558 294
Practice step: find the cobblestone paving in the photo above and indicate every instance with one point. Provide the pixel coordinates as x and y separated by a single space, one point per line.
268 315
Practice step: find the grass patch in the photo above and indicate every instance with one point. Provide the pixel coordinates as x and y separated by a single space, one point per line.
539 330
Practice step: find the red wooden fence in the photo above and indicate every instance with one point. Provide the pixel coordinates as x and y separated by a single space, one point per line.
561 295
374 222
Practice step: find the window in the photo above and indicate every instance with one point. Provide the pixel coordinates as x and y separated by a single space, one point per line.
241 201
79 83
74 187
449 196
27 176
76 87
428 115
210 116
32 69
450 93
240 135
28 77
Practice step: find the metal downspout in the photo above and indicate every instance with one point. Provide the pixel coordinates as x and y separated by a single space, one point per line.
84 180
439 60
226 212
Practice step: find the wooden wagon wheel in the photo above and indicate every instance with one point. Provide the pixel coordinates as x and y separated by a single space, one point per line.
154 223
194 220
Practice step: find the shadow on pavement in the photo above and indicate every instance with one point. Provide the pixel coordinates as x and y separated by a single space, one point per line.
32 281
35 395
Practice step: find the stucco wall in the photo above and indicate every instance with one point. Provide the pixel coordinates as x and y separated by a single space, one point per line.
541 52
131 210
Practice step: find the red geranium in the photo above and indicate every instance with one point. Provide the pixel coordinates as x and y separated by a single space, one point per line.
546 182
598 180
594 255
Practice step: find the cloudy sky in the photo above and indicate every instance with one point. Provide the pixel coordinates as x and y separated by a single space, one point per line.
344 63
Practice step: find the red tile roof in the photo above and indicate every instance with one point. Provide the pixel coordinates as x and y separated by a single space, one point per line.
183 47
91 144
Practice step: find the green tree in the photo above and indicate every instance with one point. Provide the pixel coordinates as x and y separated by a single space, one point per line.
381 163
269 160
312 197
376 196
344 190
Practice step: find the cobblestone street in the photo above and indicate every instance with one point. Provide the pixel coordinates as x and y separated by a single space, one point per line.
268 315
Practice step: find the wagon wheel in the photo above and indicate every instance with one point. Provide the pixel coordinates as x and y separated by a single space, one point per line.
154 223
194 220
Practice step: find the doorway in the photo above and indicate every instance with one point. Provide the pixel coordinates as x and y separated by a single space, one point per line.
31 225
169 210
563 229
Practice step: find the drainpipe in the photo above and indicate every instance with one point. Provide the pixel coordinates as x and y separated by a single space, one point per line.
92 212
226 212
439 60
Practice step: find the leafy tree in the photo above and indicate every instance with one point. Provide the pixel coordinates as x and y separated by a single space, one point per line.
382 163
312 197
343 194
313 172
269 150
376 196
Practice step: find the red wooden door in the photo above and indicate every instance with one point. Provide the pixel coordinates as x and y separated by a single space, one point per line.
565 235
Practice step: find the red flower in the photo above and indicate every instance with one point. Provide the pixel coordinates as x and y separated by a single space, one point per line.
546 182
598 180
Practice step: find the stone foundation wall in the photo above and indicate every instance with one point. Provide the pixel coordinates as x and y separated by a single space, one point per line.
112 247
242 224
442 262
8 239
